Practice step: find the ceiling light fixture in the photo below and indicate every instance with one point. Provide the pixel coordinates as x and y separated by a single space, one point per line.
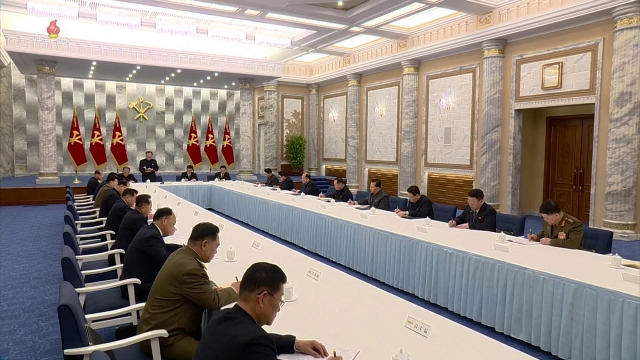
195 84
201 81
138 67
208 77
339 3
55 9
93 63
234 84
172 74
394 14
134 71
90 75
92 67
120 17
130 75
216 74
91 72
300 20
162 81
167 78
225 86
178 71
127 79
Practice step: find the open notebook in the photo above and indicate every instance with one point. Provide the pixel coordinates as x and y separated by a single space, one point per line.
347 354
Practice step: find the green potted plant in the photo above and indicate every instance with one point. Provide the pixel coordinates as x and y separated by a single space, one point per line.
295 151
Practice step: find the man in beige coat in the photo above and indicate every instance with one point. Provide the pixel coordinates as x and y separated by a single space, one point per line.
181 292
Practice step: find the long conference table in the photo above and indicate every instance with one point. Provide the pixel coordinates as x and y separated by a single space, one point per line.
567 302
331 306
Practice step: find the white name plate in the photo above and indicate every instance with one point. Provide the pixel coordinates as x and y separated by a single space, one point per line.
417 326
633 278
323 207
155 191
178 204
364 216
146 187
422 229
293 199
501 247
314 274
196 213
256 244
165 197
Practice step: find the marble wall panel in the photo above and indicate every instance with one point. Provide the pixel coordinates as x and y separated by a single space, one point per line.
382 124
334 127
292 119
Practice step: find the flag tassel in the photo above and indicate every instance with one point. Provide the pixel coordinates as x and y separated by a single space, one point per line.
76 181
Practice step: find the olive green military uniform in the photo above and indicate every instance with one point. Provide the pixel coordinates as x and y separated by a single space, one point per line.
566 234
178 297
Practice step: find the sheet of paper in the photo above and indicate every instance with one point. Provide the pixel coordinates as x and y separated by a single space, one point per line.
363 207
347 354
521 241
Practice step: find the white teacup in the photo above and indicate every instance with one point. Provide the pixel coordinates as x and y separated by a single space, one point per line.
427 222
148 181
302 195
502 237
401 355
231 254
372 211
615 260
278 190
288 292
333 202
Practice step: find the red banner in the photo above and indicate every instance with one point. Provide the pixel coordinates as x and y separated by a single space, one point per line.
227 147
96 147
193 145
117 149
75 146
210 147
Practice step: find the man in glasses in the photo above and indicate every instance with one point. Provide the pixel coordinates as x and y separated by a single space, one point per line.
237 333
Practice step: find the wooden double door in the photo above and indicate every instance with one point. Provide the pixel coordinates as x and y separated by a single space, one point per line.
569 151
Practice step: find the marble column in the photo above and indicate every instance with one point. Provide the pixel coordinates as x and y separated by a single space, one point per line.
408 125
312 142
353 131
246 129
492 86
624 121
7 161
46 83
271 121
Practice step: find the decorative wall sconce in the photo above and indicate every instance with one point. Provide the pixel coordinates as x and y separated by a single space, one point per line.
380 110
446 103
333 115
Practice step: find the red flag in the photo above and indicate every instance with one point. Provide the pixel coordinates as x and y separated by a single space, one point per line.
96 147
193 146
227 148
75 146
210 147
118 150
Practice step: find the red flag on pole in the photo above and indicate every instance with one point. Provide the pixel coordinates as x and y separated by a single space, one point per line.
227 148
193 145
210 147
75 146
117 149
96 147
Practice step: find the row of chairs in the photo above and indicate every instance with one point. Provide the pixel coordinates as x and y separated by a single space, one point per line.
90 297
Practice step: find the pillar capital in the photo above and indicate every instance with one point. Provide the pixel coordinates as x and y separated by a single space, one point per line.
271 86
46 66
494 47
354 80
410 67
627 15
246 83
313 89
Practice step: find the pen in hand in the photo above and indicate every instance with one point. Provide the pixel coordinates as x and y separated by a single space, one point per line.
237 279
334 353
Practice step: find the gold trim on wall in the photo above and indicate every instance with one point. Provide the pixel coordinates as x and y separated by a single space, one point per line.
474 100
302 119
346 104
591 91
271 88
258 114
557 84
622 23
354 83
395 83
619 226
484 20
494 52
410 70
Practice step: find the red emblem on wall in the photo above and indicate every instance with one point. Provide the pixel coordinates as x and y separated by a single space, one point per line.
53 30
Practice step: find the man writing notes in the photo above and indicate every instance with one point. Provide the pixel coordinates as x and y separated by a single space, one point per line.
189 175
377 197
110 183
222 174
478 215
127 175
342 193
120 209
237 333
148 167
111 197
272 180
559 228
182 291
286 183
308 187
131 224
419 205
94 182
148 252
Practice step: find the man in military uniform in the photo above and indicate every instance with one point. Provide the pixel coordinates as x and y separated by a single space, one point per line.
558 229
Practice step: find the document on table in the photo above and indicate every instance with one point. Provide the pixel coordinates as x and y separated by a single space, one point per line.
363 207
522 241
347 354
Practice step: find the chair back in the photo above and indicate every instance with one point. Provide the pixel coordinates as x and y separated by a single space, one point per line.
398 202
510 224
70 239
99 355
68 220
322 182
159 178
72 209
71 320
444 213
178 178
360 195
210 178
597 240
70 269
330 191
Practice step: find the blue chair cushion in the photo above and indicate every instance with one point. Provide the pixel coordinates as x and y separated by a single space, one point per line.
510 224
133 352
71 318
105 300
178 178
597 240
158 178
360 194
330 191
444 213
398 202
70 270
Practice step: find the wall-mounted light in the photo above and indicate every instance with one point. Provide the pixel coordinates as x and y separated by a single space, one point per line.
380 110
333 115
446 103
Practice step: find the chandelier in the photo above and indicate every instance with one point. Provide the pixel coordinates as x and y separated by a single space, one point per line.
272 38
227 32
57 9
380 109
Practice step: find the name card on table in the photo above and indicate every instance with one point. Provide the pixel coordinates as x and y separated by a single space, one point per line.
633 278
256 244
417 326
155 191
165 197
196 213
422 229
364 216
323 207
178 204
501 247
221 226
146 187
293 199
314 274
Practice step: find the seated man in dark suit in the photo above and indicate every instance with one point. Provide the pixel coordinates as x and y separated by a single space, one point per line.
478 215
94 182
111 197
559 228
181 293
148 252
237 333
131 224
222 174
377 197
308 187
119 210
272 180
127 175
189 175
419 205
286 183
342 193
109 183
